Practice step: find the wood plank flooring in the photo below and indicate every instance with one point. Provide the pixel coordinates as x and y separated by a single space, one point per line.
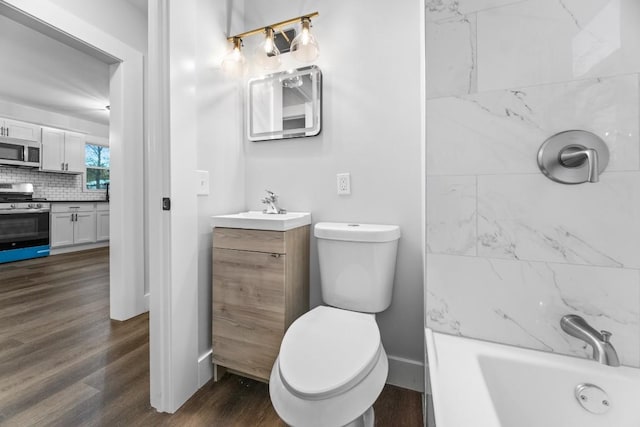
63 362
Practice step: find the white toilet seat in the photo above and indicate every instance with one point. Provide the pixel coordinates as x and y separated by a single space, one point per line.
324 391
327 351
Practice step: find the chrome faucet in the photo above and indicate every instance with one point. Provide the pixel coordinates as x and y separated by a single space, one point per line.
270 201
603 350
575 156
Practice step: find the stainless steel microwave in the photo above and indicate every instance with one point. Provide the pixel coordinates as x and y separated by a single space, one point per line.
22 153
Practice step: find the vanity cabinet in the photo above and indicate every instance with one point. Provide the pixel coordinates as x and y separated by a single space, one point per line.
260 286
62 151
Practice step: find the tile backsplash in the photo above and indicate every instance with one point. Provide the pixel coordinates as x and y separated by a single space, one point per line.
510 251
52 186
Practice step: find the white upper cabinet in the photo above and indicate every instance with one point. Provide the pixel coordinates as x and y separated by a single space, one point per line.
74 151
52 150
62 151
19 130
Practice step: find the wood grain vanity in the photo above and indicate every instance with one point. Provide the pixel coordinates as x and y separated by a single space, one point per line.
260 286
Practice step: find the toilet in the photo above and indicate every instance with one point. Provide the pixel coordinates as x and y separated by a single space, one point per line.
332 367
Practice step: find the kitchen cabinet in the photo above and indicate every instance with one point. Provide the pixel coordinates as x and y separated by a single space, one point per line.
19 130
102 221
72 224
260 286
62 151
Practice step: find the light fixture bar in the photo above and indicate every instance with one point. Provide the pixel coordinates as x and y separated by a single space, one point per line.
274 26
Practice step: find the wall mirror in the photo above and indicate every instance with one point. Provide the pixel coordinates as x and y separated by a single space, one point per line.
287 104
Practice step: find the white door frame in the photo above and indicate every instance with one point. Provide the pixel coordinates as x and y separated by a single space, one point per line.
173 245
127 258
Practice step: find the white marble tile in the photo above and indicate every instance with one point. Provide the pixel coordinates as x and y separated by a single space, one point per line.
529 217
444 9
451 56
521 303
548 41
451 214
500 132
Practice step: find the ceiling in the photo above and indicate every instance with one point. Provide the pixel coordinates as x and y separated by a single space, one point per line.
141 5
41 72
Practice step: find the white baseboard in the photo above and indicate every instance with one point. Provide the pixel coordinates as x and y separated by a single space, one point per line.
76 248
205 369
146 301
406 373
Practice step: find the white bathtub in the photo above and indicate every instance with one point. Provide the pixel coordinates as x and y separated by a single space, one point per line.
482 384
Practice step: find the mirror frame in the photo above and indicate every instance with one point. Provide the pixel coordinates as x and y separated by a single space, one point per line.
316 89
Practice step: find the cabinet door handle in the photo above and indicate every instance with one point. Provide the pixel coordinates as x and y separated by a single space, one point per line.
6 131
275 255
62 166
2 131
66 166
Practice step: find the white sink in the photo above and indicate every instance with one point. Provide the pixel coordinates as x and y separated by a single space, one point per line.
256 220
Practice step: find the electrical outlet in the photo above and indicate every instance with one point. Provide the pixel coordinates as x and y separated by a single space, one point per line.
344 183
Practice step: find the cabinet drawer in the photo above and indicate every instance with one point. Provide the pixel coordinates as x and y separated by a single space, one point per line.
102 207
249 240
73 207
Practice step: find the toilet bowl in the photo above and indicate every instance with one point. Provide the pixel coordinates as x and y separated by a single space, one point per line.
332 366
330 370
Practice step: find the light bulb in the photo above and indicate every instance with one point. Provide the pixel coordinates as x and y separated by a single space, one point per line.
305 47
233 62
267 53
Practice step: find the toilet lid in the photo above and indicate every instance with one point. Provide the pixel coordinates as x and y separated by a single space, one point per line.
327 351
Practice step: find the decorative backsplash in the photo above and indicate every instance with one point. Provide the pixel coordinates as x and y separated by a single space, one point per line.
52 186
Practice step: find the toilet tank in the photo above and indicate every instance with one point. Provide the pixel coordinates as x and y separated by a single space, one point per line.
357 264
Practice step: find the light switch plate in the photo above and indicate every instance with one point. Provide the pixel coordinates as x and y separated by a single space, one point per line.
202 183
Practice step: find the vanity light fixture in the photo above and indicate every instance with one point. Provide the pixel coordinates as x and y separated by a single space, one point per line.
304 47
267 54
233 62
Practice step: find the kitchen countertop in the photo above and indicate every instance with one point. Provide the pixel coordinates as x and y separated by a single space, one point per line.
75 201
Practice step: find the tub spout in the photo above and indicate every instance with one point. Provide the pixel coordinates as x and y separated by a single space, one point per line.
603 350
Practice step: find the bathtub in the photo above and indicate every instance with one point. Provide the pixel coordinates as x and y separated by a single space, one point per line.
481 384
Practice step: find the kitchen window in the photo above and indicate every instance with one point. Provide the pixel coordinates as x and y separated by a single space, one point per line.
97 160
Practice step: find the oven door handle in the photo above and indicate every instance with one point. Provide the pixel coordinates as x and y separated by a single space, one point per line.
23 211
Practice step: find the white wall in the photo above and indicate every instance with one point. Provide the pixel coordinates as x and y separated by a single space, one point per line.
219 149
510 251
371 128
25 113
116 17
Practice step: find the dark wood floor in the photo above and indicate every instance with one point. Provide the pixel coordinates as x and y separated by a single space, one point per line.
63 362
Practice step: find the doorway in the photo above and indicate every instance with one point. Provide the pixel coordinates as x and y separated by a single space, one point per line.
126 204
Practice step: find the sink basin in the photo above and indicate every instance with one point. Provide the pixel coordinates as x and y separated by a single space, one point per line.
256 220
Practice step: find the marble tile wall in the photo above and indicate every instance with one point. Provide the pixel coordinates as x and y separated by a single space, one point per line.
510 251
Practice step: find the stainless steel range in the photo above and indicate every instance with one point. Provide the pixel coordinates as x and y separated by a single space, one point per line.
24 223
